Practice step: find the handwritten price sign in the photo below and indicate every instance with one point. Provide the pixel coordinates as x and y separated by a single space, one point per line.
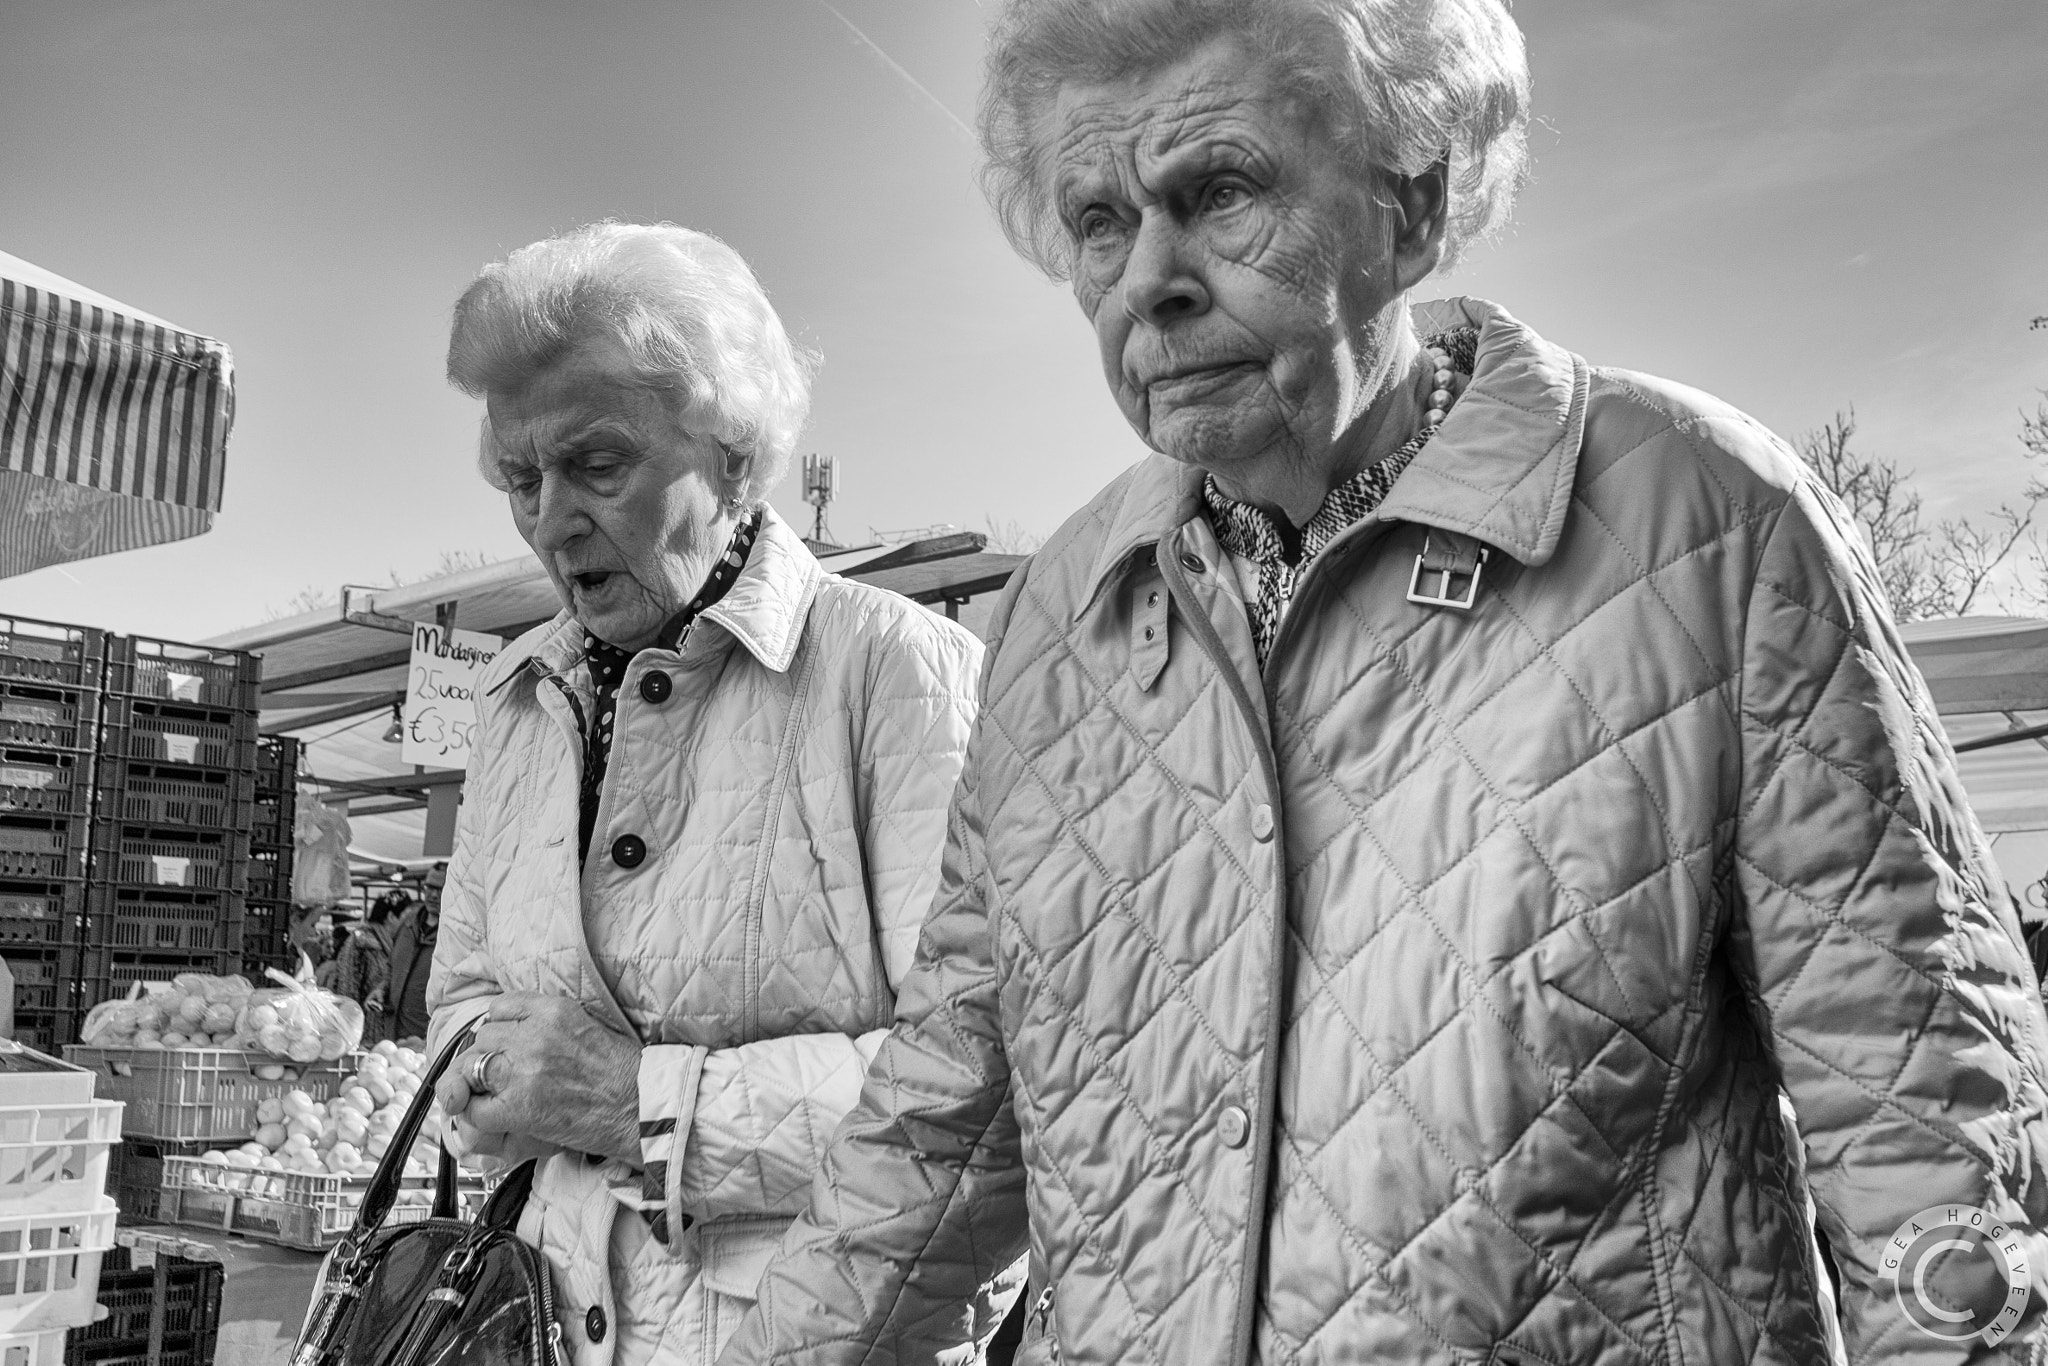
440 693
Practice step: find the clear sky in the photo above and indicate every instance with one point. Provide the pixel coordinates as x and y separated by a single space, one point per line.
1796 204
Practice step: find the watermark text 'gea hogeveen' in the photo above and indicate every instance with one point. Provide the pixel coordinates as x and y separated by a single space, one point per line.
1959 1273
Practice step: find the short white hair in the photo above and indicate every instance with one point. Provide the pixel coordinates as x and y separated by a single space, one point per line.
684 305
1409 83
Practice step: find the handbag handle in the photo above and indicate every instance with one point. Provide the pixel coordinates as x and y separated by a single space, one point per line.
383 1192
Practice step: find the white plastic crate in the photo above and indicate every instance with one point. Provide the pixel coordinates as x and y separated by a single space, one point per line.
292 1209
32 1349
54 1157
50 1266
206 1094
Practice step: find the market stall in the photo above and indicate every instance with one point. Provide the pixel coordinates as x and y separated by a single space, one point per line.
1989 679
113 423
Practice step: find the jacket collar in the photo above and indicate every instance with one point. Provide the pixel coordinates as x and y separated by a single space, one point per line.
764 610
1500 469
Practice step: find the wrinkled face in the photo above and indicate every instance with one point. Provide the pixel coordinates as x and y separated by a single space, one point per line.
621 504
1235 268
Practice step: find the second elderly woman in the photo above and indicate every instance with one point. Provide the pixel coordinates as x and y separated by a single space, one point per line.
706 802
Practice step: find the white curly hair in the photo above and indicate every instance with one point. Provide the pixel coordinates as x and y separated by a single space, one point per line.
684 305
1409 82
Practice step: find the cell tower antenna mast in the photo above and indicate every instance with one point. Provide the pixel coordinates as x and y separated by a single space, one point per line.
821 485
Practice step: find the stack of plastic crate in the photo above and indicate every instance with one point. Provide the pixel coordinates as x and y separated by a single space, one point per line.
56 1220
182 1102
50 698
267 903
177 788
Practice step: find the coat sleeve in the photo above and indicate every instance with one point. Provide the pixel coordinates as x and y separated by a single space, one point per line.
1886 956
919 1201
741 1131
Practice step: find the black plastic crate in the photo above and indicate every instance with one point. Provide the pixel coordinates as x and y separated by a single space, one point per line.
134 792
46 1031
50 652
176 733
270 820
195 675
44 782
132 855
135 1178
129 1356
268 875
107 974
48 715
43 978
191 1321
277 764
40 914
163 920
266 937
42 845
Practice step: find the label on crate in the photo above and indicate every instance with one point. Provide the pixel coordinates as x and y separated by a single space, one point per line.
439 694
26 777
172 872
179 749
183 687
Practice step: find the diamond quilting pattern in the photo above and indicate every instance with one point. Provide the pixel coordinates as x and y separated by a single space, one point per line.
1547 869
792 792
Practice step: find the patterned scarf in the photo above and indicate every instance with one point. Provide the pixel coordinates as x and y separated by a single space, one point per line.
608 669
1279 549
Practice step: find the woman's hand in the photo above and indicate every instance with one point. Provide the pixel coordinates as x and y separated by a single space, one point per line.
557 1074
465 1141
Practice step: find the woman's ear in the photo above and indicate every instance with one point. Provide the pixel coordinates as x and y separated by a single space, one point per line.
1421 209
735 468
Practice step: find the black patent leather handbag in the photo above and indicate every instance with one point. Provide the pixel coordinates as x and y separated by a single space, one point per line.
443 1292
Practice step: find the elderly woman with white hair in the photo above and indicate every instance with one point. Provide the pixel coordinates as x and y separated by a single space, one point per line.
1424 816
706 803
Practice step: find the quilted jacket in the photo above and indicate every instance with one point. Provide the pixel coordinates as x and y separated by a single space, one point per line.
791 790
1429 998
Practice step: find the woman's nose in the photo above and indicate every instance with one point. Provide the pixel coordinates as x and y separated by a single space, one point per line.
1160 286
559 517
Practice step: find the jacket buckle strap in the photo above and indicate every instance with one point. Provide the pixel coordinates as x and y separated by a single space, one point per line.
1446 573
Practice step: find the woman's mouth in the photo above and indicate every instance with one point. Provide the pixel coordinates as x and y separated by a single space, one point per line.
591 580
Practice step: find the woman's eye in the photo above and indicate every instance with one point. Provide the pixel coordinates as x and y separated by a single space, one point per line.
1097 225
1226 197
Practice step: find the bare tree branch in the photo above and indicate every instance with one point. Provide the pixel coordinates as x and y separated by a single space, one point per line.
1953 567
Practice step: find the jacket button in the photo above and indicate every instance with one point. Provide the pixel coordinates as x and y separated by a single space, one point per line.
593 1323
655 687
1233 1126
1191 562
1262 822
629 851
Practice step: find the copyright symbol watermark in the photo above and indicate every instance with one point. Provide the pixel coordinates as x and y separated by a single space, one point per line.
1959 1273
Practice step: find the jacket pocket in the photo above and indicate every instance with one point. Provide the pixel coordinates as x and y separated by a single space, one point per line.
732 1253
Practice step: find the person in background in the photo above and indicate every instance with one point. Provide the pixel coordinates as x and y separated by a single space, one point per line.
1425 814
329 966
363 966
412 963
311 937
705 803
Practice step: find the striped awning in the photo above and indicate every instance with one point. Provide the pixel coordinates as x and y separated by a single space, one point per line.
113 423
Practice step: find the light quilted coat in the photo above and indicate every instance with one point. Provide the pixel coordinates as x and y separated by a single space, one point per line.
1504 927
792 793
